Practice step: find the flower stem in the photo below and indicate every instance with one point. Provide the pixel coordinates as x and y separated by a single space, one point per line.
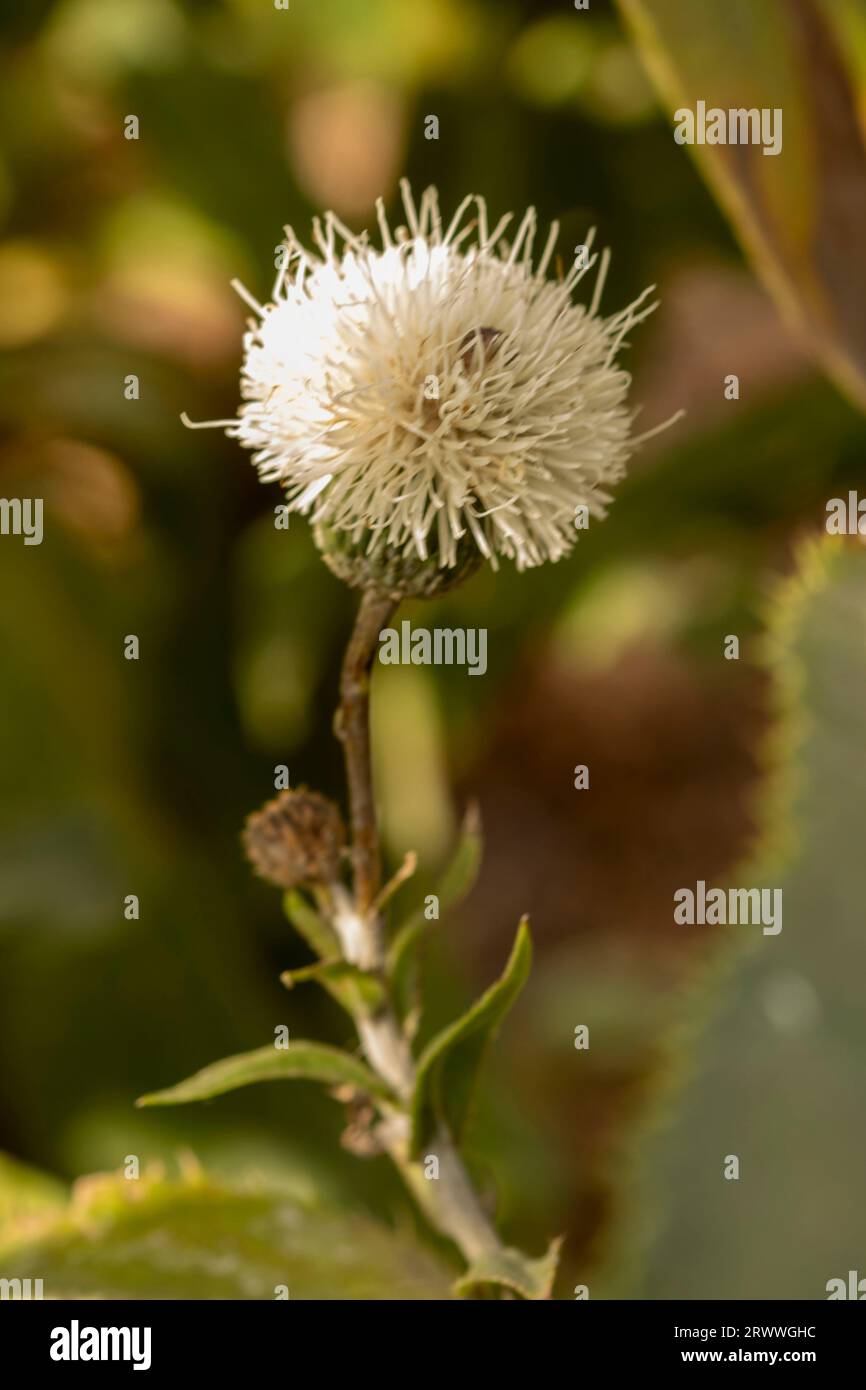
449 1201
353 730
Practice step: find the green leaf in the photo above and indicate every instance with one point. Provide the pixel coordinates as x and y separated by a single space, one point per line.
403 968
800 213
26 1193
511 1270
198 1239
317 933
449 1066
456 881
357 991
462 870
305 1061
770 1066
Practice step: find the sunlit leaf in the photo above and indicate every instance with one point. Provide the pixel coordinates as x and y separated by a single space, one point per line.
26 1194
196 1239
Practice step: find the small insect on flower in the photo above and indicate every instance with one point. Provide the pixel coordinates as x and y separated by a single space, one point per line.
436 401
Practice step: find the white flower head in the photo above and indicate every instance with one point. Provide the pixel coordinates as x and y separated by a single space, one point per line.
439 392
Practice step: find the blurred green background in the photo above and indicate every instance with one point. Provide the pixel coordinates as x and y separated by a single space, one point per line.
122 777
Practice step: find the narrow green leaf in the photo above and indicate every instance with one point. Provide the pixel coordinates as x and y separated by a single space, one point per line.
402 966
309 924
456 881
510 1269
449 1065
462 870
305 1061
357 991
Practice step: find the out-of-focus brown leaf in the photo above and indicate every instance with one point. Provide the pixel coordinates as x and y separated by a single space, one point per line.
800 213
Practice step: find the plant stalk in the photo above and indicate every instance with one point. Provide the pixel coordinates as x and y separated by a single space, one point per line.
449 1201
353 730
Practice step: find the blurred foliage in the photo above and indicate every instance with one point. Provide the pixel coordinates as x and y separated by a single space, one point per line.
192 1237
777 1078
119 777
801 216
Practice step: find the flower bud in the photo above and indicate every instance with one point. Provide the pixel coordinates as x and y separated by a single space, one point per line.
296 839
391 571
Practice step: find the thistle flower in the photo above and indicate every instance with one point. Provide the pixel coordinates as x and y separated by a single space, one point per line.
437 401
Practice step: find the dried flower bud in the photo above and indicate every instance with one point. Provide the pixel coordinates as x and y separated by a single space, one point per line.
295 839
360 1136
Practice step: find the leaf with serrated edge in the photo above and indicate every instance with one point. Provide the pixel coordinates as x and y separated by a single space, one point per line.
449 1064
509 1269
303 1061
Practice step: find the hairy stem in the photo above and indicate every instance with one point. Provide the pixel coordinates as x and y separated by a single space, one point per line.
449 1201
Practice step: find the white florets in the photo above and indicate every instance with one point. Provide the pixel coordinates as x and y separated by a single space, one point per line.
438 388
